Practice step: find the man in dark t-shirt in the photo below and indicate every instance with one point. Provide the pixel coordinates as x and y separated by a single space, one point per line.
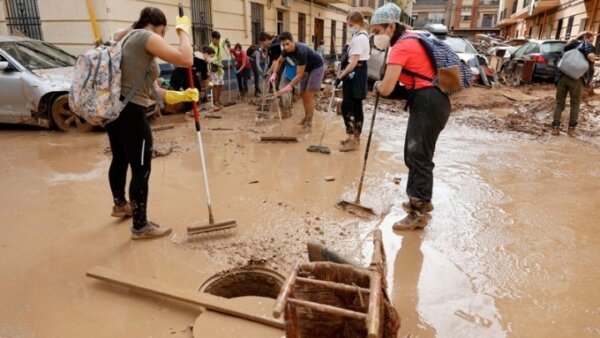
309 73
272 45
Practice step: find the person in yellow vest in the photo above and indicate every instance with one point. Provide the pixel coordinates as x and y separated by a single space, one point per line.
217 71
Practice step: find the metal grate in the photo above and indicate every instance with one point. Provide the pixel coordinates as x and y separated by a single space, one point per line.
201 22
24 17
256 19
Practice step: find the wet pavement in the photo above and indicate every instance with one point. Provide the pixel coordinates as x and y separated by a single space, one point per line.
512 249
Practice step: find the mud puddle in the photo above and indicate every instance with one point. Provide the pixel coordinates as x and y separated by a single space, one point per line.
511 249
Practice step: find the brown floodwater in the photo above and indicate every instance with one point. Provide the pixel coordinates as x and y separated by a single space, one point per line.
512 250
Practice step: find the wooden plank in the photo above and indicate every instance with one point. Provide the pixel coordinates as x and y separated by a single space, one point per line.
328 309
332 285
285 292
153 287
375 303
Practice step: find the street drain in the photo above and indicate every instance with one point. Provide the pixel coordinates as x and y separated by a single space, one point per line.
246 281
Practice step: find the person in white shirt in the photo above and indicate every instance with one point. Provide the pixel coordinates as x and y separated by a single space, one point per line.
354 78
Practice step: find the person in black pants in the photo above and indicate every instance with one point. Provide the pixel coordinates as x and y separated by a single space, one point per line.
129 135
354 77
255 57
179 77
429 109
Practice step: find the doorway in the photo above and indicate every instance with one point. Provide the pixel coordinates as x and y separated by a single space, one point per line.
318 33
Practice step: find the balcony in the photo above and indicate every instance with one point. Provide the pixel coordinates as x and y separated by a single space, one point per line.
332 2
505 22
366 7
540 6
489 3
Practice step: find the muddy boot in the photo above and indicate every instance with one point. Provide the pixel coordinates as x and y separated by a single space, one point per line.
572 132
555 131
413 220
415 204
350 145
350 138
308 123
151 230
122 210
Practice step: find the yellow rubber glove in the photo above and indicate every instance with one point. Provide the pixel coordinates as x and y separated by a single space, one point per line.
184 24
209 84
173 96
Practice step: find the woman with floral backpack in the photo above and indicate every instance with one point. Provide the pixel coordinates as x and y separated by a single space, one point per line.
130 135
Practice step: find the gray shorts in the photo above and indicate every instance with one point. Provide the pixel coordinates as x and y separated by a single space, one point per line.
311 81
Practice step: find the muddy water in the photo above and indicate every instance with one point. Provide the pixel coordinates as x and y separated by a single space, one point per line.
512 249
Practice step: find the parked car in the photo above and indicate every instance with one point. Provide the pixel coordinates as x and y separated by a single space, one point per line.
545 53
466 52
35 78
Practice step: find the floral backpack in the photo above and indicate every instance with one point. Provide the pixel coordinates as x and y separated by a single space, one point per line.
96 88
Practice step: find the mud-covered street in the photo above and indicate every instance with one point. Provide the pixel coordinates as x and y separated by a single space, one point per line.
512 250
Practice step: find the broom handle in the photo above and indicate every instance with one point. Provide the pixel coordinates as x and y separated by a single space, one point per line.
362 175
199 135
278 109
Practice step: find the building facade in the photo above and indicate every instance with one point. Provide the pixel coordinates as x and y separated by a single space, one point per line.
68 23
465 17
549 19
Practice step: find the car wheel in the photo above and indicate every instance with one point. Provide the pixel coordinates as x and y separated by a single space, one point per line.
64 119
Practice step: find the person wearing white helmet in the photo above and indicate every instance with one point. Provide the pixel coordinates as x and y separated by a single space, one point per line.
409 63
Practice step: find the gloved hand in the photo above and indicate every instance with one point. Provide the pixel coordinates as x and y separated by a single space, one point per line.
273 77
188 95
337 82
375 86
285 89
209 84
183 23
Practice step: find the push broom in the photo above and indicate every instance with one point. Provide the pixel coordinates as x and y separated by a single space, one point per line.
321 148
211 225
281 138
356 203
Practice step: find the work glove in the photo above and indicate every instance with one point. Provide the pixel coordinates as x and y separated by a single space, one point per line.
285 89
337 82
183 23
375 86
209 84
188 95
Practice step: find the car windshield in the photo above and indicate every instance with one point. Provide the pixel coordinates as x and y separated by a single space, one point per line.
460 45
37 54
552 47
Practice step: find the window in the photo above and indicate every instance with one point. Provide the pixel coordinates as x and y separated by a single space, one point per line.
558 29
465 18
569 27
582 24
201 22
301 27
488 20
280 28
256 20
333 38
23 16
344 34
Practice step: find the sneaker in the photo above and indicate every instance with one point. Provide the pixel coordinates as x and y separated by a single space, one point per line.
121 211
151 230
555 131
572 132
349 146
413 220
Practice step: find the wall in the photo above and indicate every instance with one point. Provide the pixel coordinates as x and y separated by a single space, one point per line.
66 22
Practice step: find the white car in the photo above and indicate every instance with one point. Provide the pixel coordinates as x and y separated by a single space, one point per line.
35 78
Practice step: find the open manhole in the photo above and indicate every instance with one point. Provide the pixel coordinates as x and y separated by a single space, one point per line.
245 281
